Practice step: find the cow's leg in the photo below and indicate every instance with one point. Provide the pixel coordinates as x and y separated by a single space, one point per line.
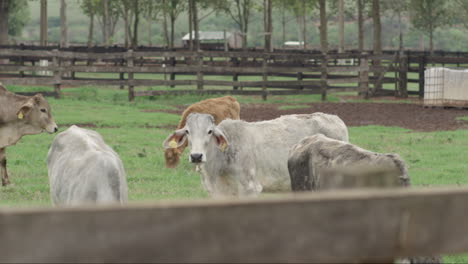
3 169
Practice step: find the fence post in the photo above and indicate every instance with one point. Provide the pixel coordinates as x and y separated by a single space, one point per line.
22 61
235 76
199 71
403 76
57 73
364 75
323 78
122 75
422 66
131 90
172 61
264 78
300 76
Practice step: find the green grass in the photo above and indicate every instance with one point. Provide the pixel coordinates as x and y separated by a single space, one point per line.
296 106
433 158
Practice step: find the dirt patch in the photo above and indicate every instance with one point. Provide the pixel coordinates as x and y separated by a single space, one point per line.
407 115
411 116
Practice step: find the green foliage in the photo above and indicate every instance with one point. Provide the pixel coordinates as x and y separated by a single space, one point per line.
18 17
427 15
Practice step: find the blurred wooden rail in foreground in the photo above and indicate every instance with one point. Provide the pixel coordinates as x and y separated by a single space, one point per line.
366 225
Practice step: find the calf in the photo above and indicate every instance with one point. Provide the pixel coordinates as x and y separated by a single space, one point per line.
310 159
220 108
19 116
83 169
241 158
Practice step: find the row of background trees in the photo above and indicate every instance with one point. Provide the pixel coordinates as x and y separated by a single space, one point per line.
269 23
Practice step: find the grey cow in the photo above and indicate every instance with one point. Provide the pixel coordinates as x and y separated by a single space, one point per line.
83 169
312 156
239 158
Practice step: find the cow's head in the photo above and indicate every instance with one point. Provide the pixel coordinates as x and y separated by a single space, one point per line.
36 113
200 131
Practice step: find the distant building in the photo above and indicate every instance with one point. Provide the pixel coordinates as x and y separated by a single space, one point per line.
293 44
215 39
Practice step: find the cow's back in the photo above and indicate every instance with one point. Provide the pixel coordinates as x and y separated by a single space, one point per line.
312 156
268 143
83 169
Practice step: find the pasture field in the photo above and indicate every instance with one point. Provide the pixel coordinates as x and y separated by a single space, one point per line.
136 132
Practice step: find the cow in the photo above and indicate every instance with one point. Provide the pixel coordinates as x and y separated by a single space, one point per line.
83 169
19 116
220 108
238 158
311 158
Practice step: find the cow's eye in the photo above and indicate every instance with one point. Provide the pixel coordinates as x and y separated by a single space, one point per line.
43 110
186 132
210 131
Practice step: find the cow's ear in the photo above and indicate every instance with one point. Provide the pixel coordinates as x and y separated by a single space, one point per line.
25 109
175 139
221 140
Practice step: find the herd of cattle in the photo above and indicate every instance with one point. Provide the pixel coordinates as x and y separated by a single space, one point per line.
235 157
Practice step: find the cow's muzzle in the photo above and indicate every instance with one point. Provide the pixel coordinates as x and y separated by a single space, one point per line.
196 157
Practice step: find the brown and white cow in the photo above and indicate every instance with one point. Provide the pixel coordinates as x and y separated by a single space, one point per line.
221 108
19 116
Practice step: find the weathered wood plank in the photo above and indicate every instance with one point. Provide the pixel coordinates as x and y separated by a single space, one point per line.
339 226
29 81
344 80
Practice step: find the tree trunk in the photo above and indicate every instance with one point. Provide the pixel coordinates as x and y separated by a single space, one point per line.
4 10
377 27
377 38
172 30
106 23
265 25
126 28
190 20
360 25
267 9
283 22
244 26
136 13
91 30
323 27
400 45
63 24
431 35
166 33
195 25
341 25
150 20
43 31
304 29
270 25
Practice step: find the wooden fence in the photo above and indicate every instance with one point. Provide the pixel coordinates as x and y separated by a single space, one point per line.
279 72
327 227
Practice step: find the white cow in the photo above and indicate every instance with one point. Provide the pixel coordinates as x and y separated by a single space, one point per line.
83 169
241 158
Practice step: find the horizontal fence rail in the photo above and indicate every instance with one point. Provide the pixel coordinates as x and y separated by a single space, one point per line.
296 71
362 225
